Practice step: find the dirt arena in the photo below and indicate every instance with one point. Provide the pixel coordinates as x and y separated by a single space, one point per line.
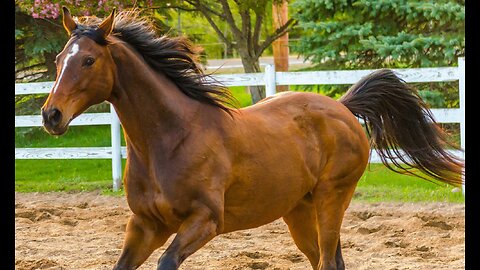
86 230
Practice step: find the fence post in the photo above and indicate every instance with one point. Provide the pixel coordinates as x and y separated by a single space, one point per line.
461 92
116 150
270 80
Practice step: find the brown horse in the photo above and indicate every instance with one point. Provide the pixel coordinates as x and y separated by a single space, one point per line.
198 168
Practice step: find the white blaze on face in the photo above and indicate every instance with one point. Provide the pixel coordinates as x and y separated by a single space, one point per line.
72 52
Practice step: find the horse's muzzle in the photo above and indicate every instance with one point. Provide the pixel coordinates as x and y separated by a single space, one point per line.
52 121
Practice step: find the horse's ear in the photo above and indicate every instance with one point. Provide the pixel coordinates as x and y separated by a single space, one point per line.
68 21
107 25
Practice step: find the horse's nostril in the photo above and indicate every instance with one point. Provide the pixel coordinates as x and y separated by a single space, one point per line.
54 117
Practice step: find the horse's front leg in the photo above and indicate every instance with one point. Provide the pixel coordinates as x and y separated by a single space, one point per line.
142 238
202 225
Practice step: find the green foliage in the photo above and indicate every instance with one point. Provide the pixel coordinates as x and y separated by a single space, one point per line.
36 42
433 98
379 33
29 104
44 42
364 34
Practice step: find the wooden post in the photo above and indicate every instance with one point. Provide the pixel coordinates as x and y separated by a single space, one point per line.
280 46
116 150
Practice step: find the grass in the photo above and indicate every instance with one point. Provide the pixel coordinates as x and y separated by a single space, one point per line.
242 95
64 175
76 136
378 184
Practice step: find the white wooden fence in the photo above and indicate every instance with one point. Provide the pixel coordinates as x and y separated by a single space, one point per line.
269 79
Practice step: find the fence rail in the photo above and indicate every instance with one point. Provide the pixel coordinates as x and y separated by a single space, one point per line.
269 79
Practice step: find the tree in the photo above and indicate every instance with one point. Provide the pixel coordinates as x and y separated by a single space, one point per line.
37 41
244 20
354 34
377 33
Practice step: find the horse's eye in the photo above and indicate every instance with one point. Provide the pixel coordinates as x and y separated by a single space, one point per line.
88 61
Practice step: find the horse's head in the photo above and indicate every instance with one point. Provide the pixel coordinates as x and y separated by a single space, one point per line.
85 74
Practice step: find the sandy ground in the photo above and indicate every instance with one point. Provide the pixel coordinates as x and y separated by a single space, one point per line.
86 230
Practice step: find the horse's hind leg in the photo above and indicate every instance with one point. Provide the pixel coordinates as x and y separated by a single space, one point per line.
331 198
302 224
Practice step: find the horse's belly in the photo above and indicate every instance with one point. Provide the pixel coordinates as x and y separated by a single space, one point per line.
253 202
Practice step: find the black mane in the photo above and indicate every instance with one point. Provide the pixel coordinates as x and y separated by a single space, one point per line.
176 57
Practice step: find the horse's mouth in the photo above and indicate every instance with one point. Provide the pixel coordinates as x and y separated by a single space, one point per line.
57 130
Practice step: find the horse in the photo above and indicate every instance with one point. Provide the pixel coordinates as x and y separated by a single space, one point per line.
198 166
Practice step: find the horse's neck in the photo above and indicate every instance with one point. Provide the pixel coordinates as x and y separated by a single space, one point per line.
150 106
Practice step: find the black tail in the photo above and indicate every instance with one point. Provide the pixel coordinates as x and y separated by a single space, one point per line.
397 119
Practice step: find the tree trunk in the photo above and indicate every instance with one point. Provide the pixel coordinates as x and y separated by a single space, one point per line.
252 65
50 64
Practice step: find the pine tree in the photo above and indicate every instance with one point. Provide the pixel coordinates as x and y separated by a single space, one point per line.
351 34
